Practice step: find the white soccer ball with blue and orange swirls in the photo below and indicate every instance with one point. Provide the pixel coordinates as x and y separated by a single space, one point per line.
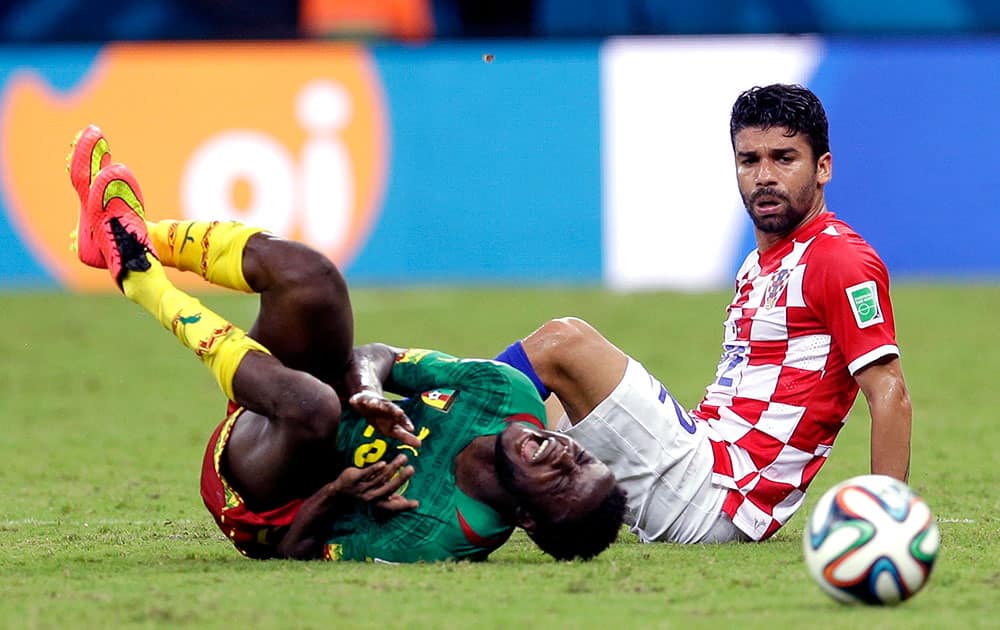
871 540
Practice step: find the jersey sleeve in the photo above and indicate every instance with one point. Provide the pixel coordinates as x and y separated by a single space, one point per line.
500 385
848 285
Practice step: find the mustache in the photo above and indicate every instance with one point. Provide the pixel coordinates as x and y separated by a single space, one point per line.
768 192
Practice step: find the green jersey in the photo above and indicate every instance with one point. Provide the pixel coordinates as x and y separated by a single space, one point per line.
452 402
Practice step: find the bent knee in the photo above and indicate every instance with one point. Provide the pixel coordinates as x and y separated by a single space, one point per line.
292 266
576 362
561 341
307 268
568 332
308 417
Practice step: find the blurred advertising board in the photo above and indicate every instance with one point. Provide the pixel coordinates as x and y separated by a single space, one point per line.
585 163
401 165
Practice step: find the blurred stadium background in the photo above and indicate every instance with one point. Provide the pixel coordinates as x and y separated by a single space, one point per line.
592 150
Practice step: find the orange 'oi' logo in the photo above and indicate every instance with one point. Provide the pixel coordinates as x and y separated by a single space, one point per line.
289 137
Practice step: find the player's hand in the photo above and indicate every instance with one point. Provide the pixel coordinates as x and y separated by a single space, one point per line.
377 484
387 418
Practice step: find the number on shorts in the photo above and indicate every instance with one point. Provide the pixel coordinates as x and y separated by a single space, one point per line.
682 418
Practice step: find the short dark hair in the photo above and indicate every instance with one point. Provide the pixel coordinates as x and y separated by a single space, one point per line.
586 536
782 105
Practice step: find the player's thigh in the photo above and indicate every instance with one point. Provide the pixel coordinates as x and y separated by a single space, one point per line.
268 463
305 316
659 454
576 362
642 422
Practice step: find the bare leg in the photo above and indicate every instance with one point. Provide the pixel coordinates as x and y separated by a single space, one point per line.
305 316
575 362
283 448
280 447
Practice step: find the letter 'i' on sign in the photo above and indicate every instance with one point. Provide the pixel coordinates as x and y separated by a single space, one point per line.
323 109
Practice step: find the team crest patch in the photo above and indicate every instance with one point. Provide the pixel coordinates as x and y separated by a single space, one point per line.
864 304
779 280
440 399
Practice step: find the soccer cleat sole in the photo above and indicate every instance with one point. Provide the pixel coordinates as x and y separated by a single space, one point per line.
89 153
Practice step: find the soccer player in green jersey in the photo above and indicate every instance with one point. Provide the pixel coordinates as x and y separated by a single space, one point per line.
485 462
290 472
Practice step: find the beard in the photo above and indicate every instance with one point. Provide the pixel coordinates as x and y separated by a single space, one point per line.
780 223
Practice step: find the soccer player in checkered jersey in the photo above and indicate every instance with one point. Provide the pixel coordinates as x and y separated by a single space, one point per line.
809 326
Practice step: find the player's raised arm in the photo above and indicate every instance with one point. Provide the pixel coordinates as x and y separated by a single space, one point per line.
892 416
368 370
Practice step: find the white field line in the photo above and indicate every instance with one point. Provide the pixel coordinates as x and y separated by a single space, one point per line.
97 522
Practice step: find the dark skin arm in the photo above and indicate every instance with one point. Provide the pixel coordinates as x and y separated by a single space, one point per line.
370 369
368 372
374 484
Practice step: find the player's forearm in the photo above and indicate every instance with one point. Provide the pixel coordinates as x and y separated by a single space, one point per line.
889 403
890 436
310 529
369 369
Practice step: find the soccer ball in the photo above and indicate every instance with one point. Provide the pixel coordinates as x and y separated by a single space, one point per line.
871 540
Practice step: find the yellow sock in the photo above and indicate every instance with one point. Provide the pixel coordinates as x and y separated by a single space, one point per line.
211 249
220 345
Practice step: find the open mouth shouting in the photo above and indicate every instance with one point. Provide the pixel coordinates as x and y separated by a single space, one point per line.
536 447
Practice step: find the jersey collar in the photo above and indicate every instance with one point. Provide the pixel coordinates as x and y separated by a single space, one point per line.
801 234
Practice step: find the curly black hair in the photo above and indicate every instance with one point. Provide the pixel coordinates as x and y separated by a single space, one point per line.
586 536
782 105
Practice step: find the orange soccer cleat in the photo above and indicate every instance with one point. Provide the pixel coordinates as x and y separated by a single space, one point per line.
113 218
89 154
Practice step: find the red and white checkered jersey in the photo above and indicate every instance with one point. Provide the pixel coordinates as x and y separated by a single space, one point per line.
808 313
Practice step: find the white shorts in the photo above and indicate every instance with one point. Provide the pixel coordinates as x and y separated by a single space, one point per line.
661 457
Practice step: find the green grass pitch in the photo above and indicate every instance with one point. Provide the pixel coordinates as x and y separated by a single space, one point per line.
105 418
